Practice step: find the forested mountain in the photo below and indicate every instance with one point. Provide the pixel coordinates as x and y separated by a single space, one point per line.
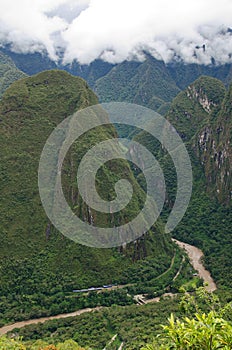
8 72
150 82
202 115
38 264
36 62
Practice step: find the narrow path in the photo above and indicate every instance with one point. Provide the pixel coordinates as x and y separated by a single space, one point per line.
111 341
170 267
195 256
180 268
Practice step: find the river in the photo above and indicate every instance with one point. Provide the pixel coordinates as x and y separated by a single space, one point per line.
195 256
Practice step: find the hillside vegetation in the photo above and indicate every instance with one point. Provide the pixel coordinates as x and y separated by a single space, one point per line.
8 73
149 82
202 116
39 266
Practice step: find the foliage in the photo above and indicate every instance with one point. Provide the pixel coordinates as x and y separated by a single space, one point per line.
201 330
146 83
135 325
8 73
12 344
40 267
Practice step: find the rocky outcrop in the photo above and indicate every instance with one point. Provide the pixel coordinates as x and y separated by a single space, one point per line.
202 115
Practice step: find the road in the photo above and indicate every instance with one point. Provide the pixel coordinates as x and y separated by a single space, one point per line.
195 256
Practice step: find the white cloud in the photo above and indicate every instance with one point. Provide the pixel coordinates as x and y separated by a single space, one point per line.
119 29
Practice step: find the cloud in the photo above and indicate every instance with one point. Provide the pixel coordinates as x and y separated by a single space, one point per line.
115 30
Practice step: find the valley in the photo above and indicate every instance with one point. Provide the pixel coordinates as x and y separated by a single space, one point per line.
40 268
195 255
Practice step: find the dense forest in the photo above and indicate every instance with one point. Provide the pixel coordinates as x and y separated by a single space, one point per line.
40 268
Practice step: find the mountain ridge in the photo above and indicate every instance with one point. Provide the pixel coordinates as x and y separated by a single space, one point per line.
8 72
149 82
38 264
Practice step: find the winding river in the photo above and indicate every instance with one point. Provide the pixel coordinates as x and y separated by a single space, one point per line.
195 256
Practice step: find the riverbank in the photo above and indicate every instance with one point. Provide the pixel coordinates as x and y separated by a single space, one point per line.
195 255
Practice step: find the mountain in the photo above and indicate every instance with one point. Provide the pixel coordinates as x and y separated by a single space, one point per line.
39 266
215 152
184 74
146 83
202 115
36 62
151 82
8 72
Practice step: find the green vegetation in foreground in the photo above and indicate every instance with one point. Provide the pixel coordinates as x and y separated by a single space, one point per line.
8 73
40 267
135 326
201 314
11 344
209 328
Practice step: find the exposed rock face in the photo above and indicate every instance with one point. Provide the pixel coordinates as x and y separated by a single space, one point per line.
202 115
217 153
201 97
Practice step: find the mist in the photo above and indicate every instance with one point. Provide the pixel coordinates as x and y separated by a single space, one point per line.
194 31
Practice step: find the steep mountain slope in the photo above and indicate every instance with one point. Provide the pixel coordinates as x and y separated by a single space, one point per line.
38 264
146 83
8 72
37 62
185 74
202 115
150 83
215 152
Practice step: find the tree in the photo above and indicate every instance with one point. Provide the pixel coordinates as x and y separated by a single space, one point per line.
203 331
11 344
69 345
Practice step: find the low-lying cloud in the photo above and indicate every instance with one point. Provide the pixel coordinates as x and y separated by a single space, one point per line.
115 30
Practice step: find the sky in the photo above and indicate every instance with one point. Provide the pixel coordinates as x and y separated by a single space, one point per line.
116 30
